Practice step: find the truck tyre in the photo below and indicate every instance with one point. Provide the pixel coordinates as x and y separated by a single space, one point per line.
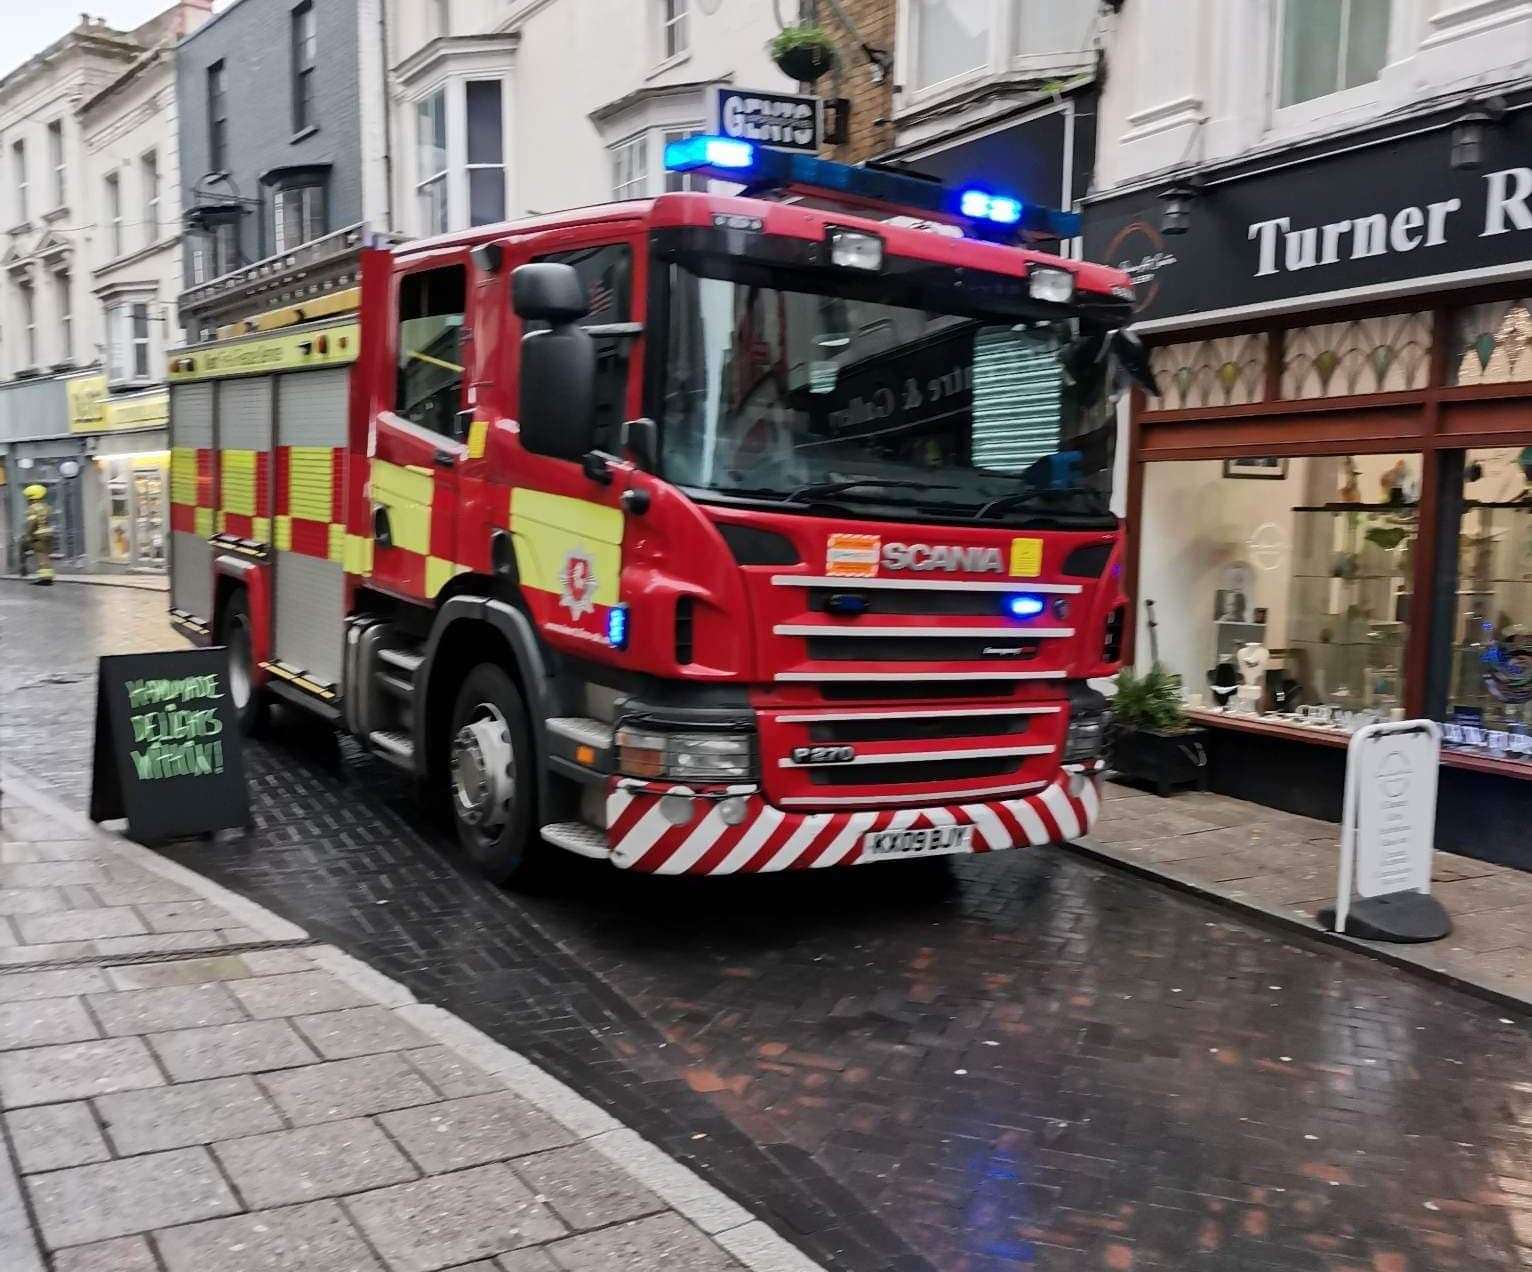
235 631
490 776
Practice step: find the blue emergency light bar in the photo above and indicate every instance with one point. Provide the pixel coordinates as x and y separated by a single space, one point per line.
762 168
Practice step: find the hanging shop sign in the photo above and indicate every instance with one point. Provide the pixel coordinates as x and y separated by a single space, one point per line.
780 121
167 752
1381 213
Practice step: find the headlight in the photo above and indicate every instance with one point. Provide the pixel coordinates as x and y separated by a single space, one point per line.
851 250
1086 737
1057 285
685 757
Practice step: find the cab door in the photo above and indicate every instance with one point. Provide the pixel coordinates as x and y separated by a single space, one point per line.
568 528
420 440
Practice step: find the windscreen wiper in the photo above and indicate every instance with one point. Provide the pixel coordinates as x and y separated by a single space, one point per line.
823 489
1052 499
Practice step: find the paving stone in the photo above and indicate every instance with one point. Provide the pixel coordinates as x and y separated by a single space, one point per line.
584 1188
532 1259
276 962
296 993
8 936
661 1243
450 1074
136 1194
340 1089
18 987
311 1162
151 888
184 916
218 1051
189 1113
53 1136
358 1031
51 874
138 1011
473 1130
31 900
181 971
17 956
121 1254
43 1021
158 942
75 1070
435 1223
50 850
316 1237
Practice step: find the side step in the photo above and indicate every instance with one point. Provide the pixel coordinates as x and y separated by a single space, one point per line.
578 837
406 660
581 731
395 747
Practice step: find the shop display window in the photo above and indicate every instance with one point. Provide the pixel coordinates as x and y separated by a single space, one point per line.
1489 681
1282 586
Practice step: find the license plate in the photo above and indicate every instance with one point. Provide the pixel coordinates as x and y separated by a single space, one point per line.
932 842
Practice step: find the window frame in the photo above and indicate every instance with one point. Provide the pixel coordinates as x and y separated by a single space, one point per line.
469 166
217 116
149 191
1300 115
636 185
60 168
113 183
1003 56
426 183
27 294
313 211
130 359
453 178
63 283
303 43
19 176
675 30
459 264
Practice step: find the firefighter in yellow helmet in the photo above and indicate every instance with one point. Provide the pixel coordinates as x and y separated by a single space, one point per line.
39 535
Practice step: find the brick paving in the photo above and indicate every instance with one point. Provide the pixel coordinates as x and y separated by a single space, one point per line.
191 1114
1021 1061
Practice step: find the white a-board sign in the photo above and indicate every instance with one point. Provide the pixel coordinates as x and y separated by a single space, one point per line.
1389 828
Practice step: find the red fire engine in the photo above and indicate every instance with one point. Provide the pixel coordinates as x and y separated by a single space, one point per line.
702 535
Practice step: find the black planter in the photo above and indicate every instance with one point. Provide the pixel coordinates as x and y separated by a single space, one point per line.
1164 760
805 62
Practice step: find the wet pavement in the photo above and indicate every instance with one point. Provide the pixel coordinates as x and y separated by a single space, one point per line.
1021 1061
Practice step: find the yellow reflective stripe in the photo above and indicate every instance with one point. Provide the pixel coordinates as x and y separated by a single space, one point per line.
358 554
391 482
221 520
547 530
260 529
478 434
183 475
205 523
238 483
284 535
310 482
439 573
337 541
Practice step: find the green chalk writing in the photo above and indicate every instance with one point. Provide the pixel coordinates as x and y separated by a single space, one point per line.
178 759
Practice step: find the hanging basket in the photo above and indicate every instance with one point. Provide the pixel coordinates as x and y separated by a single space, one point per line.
804 62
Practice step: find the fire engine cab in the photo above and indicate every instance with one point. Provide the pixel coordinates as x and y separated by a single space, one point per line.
707 534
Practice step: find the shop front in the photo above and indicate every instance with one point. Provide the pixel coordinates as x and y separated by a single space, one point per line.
126 489
1330 501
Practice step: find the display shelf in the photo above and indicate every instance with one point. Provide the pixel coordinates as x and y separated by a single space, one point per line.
1399 508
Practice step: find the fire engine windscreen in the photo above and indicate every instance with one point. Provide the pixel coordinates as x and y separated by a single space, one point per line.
770 393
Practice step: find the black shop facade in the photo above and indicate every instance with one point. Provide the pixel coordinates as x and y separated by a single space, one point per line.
1330 500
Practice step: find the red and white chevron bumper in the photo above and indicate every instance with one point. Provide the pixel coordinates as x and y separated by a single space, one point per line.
735 831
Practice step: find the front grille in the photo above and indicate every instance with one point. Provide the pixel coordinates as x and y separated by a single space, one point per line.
912 690
1001 647
919 602
933 770
964 726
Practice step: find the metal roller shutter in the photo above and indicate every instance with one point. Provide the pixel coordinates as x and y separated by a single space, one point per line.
244 415
191 575
310 605
312 408
191 415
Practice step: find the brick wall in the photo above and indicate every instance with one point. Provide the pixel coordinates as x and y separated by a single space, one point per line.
871 103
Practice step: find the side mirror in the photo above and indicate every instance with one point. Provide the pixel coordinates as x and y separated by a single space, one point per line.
558 365
1129 354
640 439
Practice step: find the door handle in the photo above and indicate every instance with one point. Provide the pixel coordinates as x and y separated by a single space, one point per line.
382 532
445 459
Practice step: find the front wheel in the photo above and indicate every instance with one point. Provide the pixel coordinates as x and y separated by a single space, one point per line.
491 776
237 634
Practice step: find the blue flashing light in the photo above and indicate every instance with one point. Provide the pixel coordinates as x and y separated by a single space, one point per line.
703 151
1024 606
731 159
617 627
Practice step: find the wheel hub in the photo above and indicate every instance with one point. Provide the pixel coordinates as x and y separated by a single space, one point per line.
483 772
239 665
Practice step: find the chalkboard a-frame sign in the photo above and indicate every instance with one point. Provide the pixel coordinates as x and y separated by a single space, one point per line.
167 753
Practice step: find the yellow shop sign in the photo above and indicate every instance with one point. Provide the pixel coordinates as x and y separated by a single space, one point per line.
93 410
293 351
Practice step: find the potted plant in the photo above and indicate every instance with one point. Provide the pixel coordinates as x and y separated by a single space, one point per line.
1151 740
803 52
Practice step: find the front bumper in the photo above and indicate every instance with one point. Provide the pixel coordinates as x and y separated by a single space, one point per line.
767 838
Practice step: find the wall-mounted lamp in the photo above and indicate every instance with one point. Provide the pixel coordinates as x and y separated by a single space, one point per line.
1177 200
1469 133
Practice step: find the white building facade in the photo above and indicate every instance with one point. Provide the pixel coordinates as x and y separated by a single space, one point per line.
503 108
87 285
1327 209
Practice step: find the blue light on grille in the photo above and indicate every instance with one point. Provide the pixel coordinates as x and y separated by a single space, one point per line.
617 627
1024 606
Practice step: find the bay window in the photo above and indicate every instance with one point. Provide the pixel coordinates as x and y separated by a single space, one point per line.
460 177
297 214
129 337
630 168
486 151
1327 46
431 162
